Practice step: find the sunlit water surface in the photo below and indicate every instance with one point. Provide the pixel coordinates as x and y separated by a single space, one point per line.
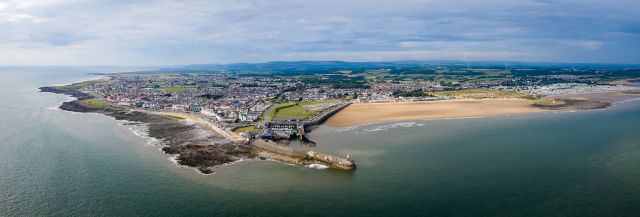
60 163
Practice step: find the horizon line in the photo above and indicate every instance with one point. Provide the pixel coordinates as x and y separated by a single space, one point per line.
345 61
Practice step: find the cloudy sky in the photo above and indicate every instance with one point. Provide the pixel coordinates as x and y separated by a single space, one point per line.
164 32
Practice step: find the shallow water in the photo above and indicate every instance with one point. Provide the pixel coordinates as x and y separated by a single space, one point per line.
54 162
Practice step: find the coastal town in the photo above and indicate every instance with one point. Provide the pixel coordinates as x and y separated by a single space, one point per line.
269 110
257 105
320 108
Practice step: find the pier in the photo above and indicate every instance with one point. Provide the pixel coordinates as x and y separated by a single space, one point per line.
269 149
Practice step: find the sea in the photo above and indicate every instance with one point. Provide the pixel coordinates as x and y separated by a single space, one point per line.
59 163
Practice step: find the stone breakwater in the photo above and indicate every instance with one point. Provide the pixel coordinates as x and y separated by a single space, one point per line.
333 161
269 149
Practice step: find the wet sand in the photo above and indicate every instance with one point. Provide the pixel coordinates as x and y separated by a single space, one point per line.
363 113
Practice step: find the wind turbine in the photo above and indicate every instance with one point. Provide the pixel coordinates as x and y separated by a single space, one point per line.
466 60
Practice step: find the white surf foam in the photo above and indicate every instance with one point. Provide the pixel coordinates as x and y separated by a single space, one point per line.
317 166
346 129
391 126
142 132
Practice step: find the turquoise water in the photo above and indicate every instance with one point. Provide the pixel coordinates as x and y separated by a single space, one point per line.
59 163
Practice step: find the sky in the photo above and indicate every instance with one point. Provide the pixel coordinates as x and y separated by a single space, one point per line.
167 32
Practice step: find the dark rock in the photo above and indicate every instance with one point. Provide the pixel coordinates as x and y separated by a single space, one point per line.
569 104
205 170
178 136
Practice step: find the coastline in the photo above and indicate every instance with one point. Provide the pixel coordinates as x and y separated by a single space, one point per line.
192 141
197 143
204 123
364 113
367 113
188 142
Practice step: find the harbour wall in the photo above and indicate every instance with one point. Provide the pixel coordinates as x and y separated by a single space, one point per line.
322 118
269 149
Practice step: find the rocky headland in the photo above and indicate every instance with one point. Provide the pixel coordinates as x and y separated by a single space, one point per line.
186 141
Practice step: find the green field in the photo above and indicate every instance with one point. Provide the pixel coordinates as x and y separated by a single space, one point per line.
482 94
173 89
277 107
300 110
246 129
96 103
443 76
80 85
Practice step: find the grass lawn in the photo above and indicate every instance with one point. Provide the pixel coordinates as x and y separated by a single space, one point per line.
300 110
96 103
277 107
246 129
80 85
294 112
173 89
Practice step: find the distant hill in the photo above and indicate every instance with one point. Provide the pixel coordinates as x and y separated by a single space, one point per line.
295 66
340 65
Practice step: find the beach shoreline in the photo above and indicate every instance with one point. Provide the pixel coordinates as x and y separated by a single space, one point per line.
364 113
367 113
192 141
189 143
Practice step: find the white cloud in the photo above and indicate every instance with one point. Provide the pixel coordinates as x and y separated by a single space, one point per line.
180 32
584 44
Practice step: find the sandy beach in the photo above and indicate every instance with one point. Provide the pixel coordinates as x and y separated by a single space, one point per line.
362 113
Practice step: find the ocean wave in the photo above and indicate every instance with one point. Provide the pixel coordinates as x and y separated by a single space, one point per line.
142 132
346 129
237 161
174 160
564 111
317 166
460 118
391 126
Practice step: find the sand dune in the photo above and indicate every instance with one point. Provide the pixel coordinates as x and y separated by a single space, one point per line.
362 113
